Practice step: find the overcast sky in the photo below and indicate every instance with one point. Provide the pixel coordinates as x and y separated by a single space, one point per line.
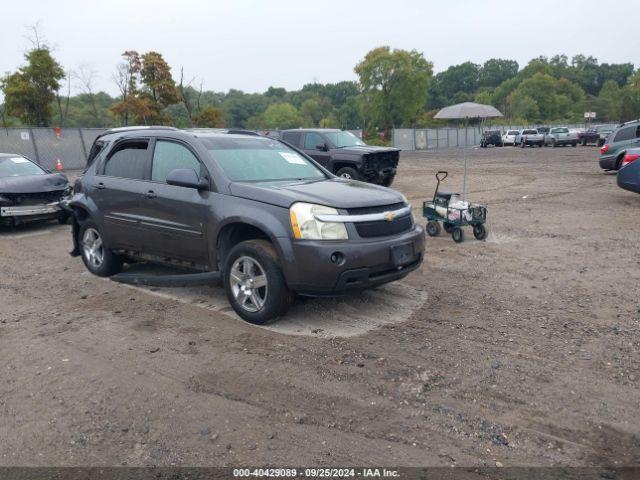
251 45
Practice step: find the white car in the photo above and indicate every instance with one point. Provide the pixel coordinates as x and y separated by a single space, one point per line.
509 137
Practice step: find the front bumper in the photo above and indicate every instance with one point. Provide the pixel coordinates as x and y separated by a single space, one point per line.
309 269
30 210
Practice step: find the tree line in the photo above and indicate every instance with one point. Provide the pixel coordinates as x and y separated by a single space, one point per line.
395 88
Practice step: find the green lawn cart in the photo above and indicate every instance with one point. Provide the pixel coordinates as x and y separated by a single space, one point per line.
454 213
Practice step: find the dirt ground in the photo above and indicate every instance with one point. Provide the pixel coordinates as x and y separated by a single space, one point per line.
521 350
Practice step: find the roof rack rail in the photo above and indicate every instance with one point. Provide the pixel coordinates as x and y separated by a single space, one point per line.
240 131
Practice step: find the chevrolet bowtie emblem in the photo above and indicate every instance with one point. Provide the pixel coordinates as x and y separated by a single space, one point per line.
389 216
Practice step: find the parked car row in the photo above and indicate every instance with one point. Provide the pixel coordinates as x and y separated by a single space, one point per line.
546 136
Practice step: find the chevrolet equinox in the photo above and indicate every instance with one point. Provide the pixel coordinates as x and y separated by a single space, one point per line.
269 219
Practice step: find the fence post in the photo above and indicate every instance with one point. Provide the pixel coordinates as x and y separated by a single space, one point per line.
84 147
35 147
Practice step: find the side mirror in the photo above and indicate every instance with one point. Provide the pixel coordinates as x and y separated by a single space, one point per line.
322 147
186 177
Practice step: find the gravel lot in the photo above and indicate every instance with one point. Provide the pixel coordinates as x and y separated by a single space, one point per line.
521 350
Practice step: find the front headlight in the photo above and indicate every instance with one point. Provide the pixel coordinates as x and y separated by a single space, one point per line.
305 226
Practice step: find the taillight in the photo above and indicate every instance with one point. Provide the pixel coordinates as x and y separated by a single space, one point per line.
604 149
629 157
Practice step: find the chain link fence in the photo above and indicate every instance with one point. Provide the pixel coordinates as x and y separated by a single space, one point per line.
446 137
48 145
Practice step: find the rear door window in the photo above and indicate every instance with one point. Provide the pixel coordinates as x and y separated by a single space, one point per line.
312 140
625 134
168 156
129 159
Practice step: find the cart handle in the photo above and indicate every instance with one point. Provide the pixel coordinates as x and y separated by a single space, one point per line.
440 177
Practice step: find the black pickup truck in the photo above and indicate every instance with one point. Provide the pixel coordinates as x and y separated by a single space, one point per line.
345 155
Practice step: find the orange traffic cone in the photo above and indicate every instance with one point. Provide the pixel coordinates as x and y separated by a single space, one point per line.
58 165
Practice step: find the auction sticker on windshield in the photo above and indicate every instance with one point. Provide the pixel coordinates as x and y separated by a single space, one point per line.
293 158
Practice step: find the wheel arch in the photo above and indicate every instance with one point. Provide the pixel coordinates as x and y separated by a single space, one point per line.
236 230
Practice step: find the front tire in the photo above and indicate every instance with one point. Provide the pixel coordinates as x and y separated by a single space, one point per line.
433 228
98 259
254 282
348 173
479 231
457 234
388 180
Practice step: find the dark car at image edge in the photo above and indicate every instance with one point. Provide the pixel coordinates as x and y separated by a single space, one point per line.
260 214
29 192
628 176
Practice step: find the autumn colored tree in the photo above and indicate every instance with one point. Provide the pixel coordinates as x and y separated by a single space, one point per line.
147 88
209 117
30 91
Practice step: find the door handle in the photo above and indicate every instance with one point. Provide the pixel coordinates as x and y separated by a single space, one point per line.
150 194
100 186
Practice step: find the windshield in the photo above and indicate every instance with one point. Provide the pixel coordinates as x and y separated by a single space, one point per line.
260 160
603 128
344 139
529 132
560 130
18 167
512 132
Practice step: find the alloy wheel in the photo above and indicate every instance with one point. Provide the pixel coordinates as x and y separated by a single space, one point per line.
249 284
92 247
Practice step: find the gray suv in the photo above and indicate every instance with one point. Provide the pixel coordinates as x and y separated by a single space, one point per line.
260 214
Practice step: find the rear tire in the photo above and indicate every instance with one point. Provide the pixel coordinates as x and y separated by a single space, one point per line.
348 173
448 227
98 259
574 144
254 282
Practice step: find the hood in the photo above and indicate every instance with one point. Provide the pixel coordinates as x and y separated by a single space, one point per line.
364 149
33 183
335 192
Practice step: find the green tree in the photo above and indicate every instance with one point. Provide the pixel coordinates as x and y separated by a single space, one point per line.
523 106
277 116
30 91
394 85
497 70
311 112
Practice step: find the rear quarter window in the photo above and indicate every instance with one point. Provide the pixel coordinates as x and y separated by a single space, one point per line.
293 138
624 134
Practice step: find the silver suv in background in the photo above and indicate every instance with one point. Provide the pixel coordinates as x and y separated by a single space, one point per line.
560 136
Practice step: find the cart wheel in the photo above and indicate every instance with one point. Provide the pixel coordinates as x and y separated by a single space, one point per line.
433 228
448 227
457 234
479 231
